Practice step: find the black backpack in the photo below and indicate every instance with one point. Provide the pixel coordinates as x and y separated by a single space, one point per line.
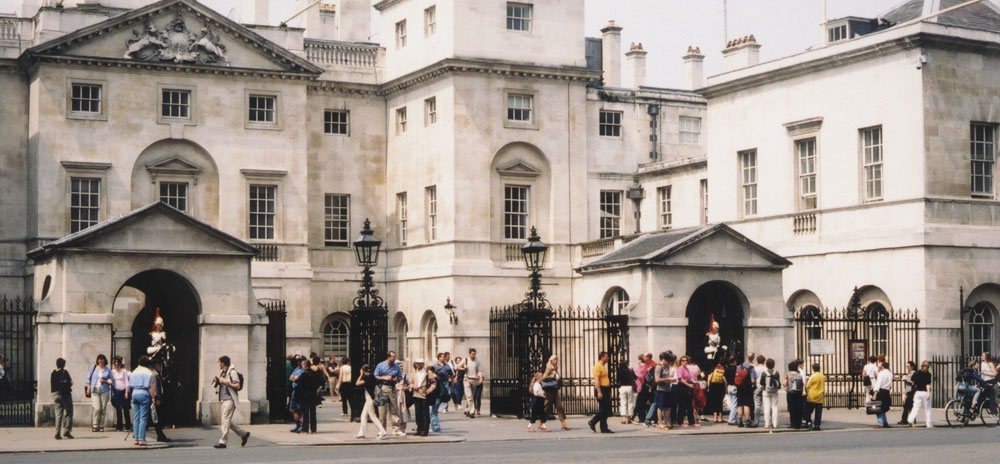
649 382
242 384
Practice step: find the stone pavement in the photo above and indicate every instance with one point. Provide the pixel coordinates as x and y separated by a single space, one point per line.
334 429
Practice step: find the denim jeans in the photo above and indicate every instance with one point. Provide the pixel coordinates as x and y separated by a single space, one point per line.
435 422
140 411
880 419
731 401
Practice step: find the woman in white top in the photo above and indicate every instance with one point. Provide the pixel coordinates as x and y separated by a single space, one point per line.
987 368
537 405
881 387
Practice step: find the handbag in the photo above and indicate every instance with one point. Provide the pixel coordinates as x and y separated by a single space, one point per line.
380 398
550 385
873 407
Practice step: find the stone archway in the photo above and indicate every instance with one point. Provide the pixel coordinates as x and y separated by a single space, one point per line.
727 304
179 306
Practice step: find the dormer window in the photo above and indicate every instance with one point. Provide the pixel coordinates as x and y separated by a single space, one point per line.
836 33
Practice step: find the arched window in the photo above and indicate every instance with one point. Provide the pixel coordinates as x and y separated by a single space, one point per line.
981 320
400 328
430 337
617 301
336 336
813 322
878 328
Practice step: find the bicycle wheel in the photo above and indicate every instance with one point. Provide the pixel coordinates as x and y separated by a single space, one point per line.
953 414
989 413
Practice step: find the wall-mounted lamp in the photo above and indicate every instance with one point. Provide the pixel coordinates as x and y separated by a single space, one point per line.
449 309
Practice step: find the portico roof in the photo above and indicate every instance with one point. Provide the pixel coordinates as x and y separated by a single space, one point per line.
214 241
665 247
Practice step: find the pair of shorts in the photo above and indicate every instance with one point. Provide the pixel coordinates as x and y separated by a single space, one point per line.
744 397
663 399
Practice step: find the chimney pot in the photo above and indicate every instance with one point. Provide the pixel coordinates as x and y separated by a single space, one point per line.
741 53
694 68
636 63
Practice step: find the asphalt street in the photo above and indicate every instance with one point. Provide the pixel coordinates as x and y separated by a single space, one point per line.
910 446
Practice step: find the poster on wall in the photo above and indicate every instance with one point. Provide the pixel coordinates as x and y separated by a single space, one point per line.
857 352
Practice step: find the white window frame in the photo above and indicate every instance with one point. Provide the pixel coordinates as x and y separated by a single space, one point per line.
333 216
273 214
516 222
174 199
191 119
836 33
982 159
401 218
748 182
523 22
806 174
609 123
530 111
430 111
102 100
610 219
872 164
430 198
401 120
401 35
336 334
76 225
703 194
340 128
85 170
689 129
664 207
275 124
982 328
430 21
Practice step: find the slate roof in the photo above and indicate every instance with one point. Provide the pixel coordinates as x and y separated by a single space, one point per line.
983 15
121 221
657 246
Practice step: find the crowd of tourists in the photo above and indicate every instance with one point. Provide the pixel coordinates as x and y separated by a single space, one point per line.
385 394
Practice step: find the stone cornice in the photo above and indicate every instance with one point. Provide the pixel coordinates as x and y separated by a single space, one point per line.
161 66
385 4
340 87
490 67
929 35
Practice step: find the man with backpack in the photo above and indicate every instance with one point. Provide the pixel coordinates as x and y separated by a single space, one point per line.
229 382
794 385
746 378
770 383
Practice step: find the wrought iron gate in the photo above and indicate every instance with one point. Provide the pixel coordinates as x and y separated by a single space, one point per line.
892 333
521 342
17 345
277 380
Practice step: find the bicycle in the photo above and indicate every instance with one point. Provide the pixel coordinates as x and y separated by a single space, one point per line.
986 409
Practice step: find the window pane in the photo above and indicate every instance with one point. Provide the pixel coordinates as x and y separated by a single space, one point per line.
611 213
515 212
337 220
85 200
262 211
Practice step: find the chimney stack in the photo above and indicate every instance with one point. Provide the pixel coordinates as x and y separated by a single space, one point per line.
254 12
636 62
741 53
611 54
694 68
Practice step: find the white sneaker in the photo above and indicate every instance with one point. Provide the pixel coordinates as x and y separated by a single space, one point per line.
380 436
360 435
399 433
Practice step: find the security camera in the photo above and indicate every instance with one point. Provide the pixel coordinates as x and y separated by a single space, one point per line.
920 61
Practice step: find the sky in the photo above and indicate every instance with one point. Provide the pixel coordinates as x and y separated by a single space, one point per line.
667 27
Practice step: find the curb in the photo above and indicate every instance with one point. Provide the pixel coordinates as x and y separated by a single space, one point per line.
157 446
373 443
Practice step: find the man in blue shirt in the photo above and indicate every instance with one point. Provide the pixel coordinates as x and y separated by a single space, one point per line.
444 375
387 374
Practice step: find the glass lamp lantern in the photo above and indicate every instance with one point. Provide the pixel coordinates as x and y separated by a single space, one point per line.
534 251
366 246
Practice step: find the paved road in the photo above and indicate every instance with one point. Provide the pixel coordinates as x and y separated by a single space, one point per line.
909 446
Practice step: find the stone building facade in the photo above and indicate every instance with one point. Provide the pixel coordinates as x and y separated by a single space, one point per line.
469 123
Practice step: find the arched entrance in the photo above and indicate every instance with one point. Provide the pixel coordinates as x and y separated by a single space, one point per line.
724 301
179 306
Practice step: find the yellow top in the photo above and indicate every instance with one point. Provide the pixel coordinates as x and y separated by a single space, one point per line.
816 388
601 374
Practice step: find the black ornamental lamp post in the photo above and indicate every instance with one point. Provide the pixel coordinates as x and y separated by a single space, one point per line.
534 258
369 331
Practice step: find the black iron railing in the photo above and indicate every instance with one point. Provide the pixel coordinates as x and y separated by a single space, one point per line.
17 345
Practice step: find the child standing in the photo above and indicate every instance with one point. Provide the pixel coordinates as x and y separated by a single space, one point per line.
537 404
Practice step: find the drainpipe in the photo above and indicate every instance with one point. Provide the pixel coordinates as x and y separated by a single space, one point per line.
636 194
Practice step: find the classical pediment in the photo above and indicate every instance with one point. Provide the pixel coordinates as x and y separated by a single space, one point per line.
173 165
152 229
176 32
518 168
714 246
